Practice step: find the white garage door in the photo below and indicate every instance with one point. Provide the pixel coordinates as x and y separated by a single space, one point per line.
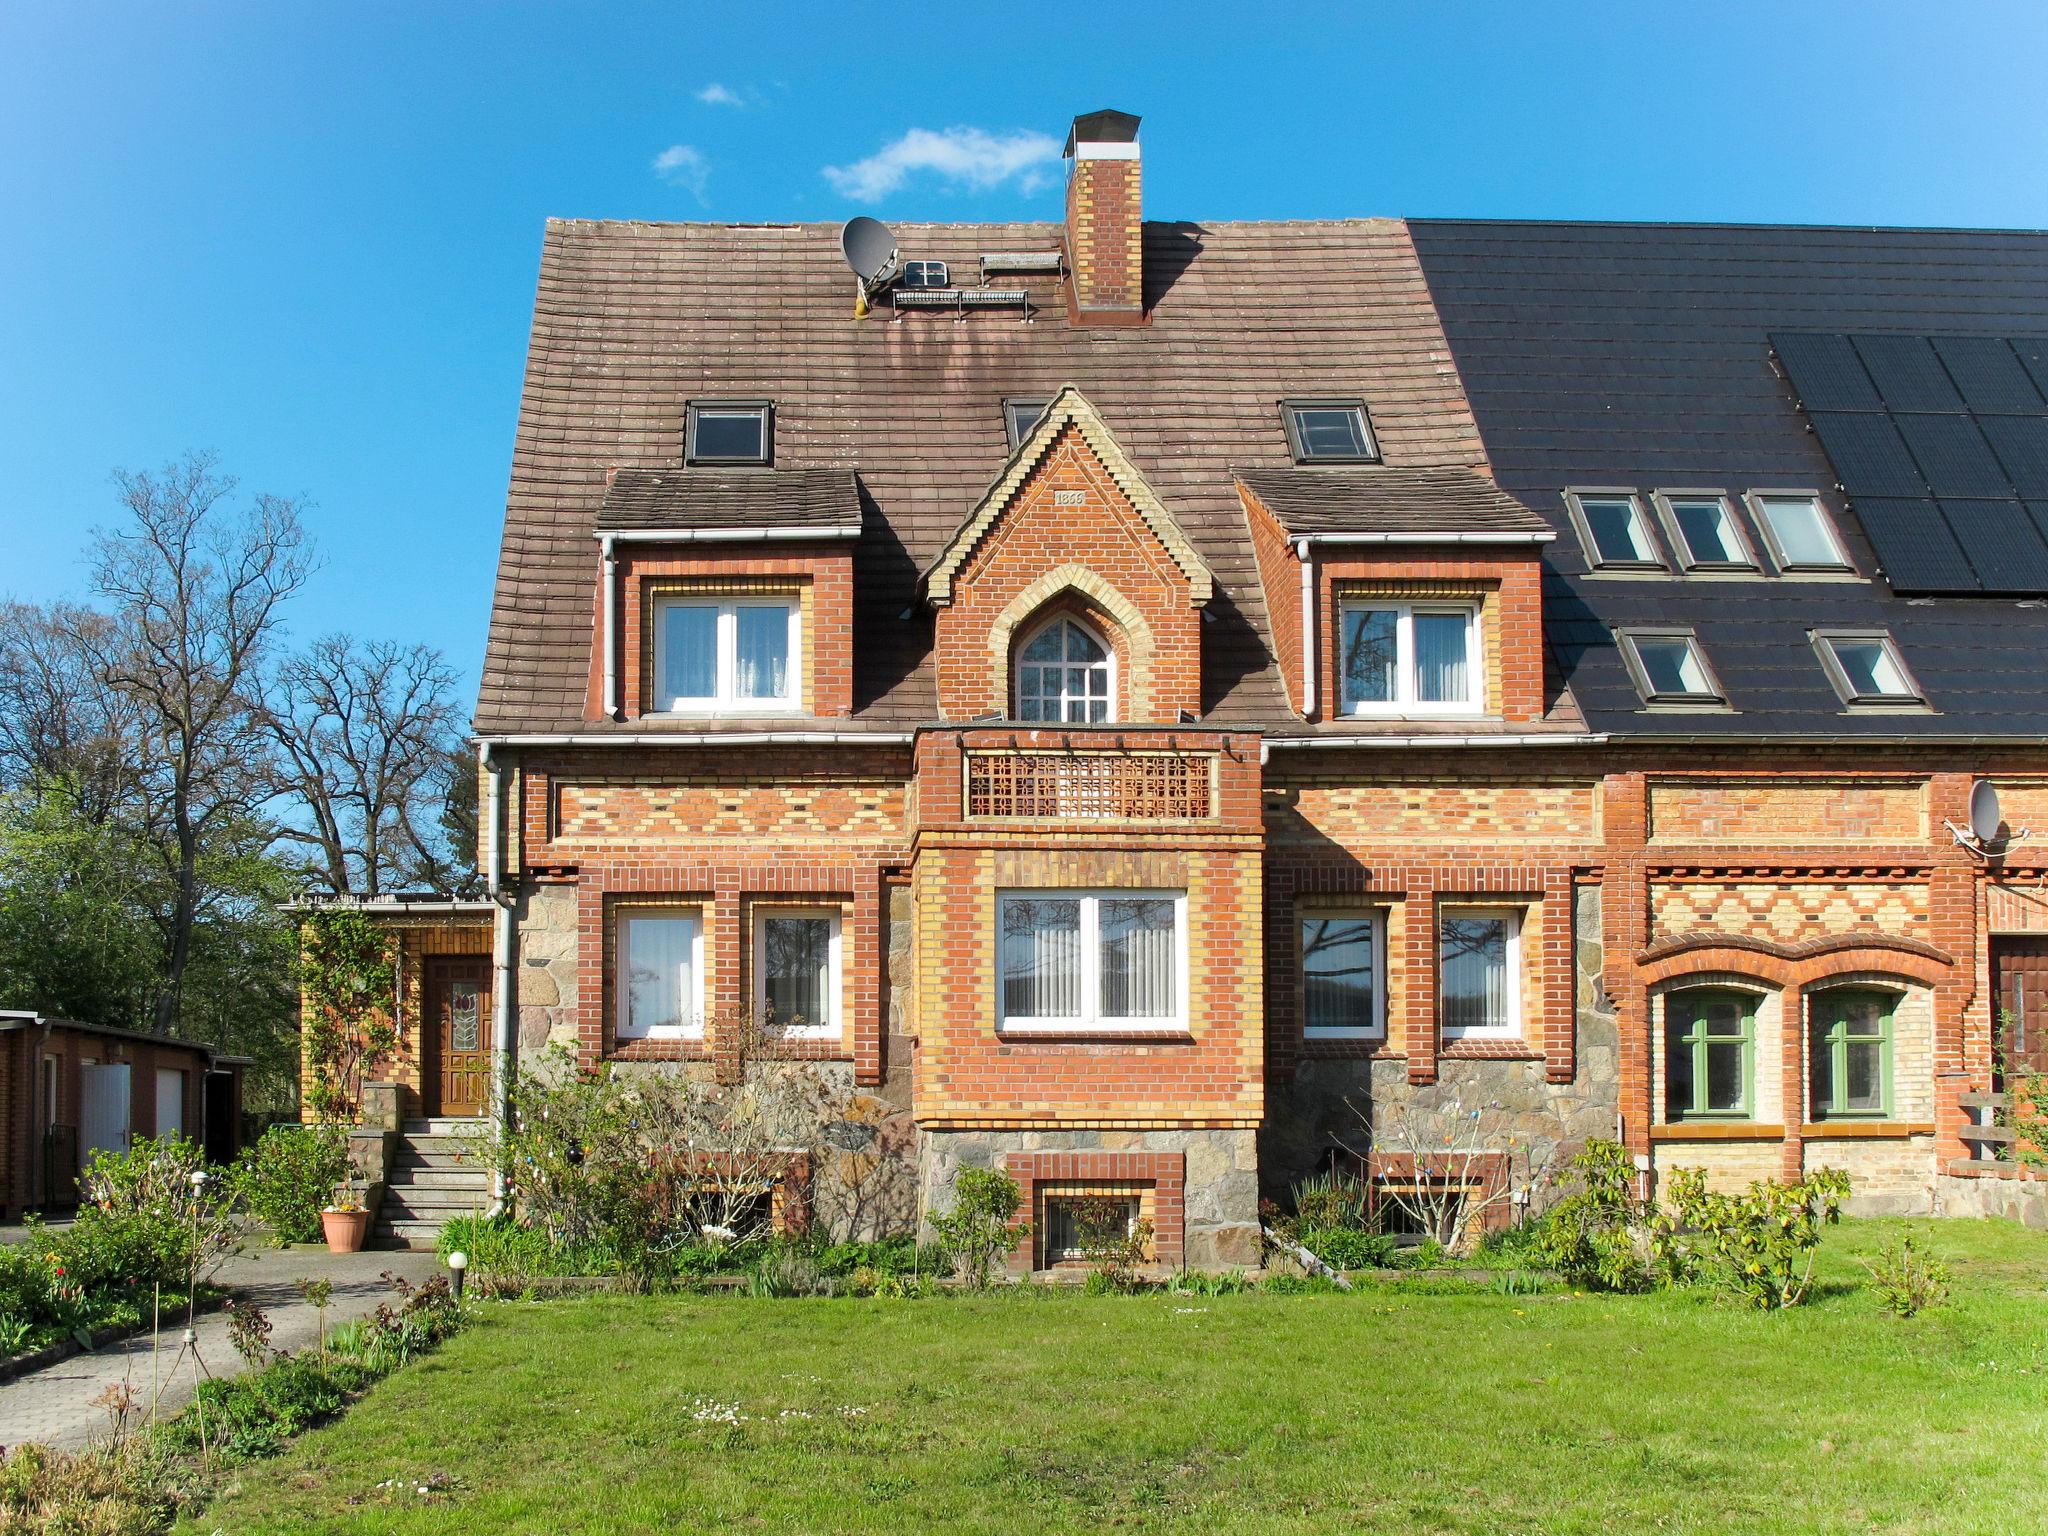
170 1102
104 1118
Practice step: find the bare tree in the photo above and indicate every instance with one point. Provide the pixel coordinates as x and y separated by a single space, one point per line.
364 731
194 591
59 716
1448 1164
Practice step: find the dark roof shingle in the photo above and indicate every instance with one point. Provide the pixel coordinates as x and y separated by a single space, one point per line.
750 499
1388 500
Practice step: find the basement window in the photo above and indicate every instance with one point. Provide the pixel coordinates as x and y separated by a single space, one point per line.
1865 668
1019 417
1329 432
731 432
1668 667
924 274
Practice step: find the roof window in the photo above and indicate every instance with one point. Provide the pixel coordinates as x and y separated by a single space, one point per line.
1668 667
1704 531
1019 417
1799 531
1613 530
923 274
731 432
1328 432
1865 667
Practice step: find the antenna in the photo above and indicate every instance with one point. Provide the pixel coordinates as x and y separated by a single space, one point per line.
870 249
1987 823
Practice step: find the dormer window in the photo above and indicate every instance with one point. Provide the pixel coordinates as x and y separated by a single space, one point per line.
1400 658
732 655
923 274
1065 672
731 432
1328 432
1019 417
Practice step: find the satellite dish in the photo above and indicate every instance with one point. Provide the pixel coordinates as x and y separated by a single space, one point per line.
1985 817
870 249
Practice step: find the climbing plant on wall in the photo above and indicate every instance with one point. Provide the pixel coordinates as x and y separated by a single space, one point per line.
347 979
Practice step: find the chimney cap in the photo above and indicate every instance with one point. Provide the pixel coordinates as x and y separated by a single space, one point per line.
1105 127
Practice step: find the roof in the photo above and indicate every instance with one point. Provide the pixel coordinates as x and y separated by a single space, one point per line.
1068 408
1638 355
22 1018
821 502
1390 502
633 320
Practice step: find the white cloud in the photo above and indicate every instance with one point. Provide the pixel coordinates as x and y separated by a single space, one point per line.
682 166
716 95
972 158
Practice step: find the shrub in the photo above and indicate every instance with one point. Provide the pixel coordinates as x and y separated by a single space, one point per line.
1117 1246
131 1488
152 1214
1598 1237
1348 1247
1333 1202
884 1256
25 1289
1758 1245
786 1270
981 1229
1907 1278
290 1175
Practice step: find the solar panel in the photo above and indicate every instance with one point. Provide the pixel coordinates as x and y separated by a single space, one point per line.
1869 456
2021 443
2002 542
2032 352
1988 373
1914 545
1825 372
1907 373
1952 455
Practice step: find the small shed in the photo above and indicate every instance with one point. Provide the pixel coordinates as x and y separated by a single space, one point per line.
69 1089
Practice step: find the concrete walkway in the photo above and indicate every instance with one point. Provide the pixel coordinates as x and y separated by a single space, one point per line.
55 1405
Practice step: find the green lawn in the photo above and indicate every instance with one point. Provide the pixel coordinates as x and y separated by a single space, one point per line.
1375 1412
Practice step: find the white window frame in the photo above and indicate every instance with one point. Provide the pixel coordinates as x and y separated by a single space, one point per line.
1755 500
1090 1020
765 409
1715 697
920 273
1298 446
1667 512
726 699
692 1027
1512 1029
1404 702
1376 1028
1824 641
834 989
1108 662
1575 499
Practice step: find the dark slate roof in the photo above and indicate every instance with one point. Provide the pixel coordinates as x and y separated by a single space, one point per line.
1388 500
1637 355
731 498
633 320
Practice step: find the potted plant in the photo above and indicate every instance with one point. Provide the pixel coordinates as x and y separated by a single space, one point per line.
346 1222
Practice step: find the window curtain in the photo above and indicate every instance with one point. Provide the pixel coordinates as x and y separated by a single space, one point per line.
1042 958
1137 958
1475 973
689 651
1337 973
799 970
761 659
1441 669
658 981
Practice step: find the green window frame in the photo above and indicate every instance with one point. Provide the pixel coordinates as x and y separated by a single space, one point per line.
1849 1073
1710 1044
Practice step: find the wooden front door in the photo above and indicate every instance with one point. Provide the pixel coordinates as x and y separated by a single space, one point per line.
2019 985
455 1076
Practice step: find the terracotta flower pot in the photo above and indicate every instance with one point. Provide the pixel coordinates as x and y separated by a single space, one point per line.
345 1230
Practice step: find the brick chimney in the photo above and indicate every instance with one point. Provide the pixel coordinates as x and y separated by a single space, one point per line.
1105 227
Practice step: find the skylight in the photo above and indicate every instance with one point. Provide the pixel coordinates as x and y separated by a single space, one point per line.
1020 416
1797 527
1704 530
730 432
1668 667
1865 667
1328 432
1613 530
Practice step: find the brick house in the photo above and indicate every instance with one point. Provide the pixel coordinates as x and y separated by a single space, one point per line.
1141 701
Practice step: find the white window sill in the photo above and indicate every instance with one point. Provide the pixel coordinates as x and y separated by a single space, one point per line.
1415 712
661 1037
714 708
1091 1026
1328 1033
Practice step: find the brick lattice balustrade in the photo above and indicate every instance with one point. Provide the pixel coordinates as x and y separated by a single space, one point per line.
1090 786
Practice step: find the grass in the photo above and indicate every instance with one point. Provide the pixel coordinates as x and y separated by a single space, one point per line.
1471 1413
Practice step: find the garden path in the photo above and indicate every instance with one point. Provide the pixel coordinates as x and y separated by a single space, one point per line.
54 1405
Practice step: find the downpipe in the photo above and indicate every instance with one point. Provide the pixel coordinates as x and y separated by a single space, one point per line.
501 964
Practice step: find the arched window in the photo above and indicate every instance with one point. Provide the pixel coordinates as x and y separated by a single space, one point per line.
1064 672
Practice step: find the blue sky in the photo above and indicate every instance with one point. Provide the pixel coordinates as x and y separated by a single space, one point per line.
305 235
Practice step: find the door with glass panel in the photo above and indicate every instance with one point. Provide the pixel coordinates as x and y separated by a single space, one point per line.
455 1075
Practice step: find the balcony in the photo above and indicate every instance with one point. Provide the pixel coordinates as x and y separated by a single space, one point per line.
1090 786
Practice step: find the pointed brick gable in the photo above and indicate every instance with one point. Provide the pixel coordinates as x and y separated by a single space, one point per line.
1070 525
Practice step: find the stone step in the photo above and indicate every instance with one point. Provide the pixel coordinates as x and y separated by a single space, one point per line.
406 1234
439 1203
443 1126
430 1177
453 1157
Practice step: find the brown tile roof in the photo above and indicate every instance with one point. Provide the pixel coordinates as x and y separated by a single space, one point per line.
1392 501
749 499
633 320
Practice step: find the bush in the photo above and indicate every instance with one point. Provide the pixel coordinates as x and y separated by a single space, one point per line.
1348 1247
1598 1237
150 1215
981 1229
288 1177
884 1256
1907 1278
1332 1202
1759 1245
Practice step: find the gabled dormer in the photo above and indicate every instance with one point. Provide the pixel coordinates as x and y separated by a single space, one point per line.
1069 592
1400 594
724 594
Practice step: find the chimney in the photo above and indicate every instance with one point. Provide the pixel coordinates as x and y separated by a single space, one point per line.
1105 228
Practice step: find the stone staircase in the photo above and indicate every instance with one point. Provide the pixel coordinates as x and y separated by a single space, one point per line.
432 1178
